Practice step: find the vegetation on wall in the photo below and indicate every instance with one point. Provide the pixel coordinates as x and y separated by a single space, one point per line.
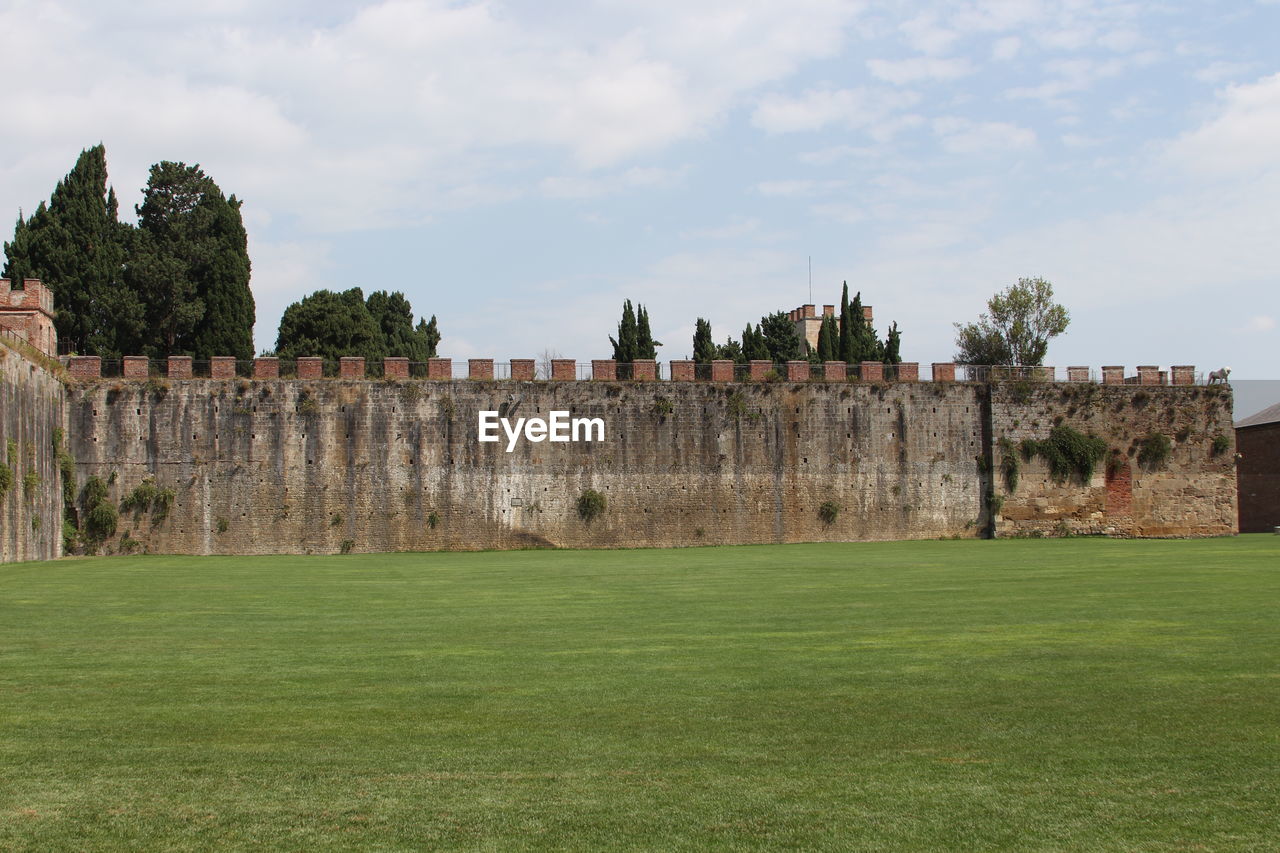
591 504
1009 464
148 497
1221 444
828 512
100 514
6 479
1154 450
1067 452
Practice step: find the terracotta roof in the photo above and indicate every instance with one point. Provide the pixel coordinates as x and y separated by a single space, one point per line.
1271 414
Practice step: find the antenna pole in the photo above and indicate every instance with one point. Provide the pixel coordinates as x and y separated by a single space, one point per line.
811 278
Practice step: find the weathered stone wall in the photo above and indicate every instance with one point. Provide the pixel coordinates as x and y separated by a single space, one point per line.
292 466
1192 493
31 408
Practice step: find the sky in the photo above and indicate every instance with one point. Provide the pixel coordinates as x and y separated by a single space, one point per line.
520 168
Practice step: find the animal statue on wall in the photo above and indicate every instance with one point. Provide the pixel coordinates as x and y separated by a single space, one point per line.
1219 377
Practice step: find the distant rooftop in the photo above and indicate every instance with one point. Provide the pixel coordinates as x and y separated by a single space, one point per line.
1271 414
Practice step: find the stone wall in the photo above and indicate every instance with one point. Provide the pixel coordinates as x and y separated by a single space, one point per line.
290 466
1191 493
31 408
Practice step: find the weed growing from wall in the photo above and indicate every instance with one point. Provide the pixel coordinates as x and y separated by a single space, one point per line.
336 520
1221 444
828 512
1154 451
433 520
30 482
222 525
1009 464
347 546
736 404
148 497
6 479
101 516
591 504
1068 452
662 407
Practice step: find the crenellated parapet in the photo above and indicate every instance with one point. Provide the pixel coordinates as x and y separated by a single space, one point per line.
355 368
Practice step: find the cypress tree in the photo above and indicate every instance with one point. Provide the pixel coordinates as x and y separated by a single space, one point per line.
781 340
828 339
625 345
76 246
704 350
846 351
753 345
893 345
646 346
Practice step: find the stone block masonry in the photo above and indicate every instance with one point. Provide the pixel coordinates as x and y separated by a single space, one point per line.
31 412
303 466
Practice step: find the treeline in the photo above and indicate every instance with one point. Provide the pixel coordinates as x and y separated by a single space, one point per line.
176 283
850 338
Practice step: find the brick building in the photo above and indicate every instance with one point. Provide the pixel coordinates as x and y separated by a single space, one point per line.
1258 471
27 311
808 323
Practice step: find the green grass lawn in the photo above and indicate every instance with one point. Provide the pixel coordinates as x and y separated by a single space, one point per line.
1070 694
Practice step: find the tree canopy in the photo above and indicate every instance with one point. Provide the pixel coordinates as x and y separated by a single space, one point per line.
332 325
1016 328
634 341
177 283
76 245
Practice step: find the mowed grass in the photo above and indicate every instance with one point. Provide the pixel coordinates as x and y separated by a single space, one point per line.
1020 695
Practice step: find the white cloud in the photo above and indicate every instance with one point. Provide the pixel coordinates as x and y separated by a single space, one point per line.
815 109
964 136
1242 138
1260 323
918 69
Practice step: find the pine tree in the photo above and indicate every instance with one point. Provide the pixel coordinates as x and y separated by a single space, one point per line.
76 245
330 325
754 347
704 350
781 340
731 350
191 265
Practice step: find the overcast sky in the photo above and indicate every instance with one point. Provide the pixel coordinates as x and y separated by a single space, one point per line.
519 168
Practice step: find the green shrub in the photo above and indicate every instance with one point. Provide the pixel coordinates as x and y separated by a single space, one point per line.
433 520
222 525
6 479
828 512
1154 450
737 405
1221 444
101 522
36 523
30 482
590 505
70 537
1068 452
662 407
336 520
12 448
347 546
95 492
1009 464
148 497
